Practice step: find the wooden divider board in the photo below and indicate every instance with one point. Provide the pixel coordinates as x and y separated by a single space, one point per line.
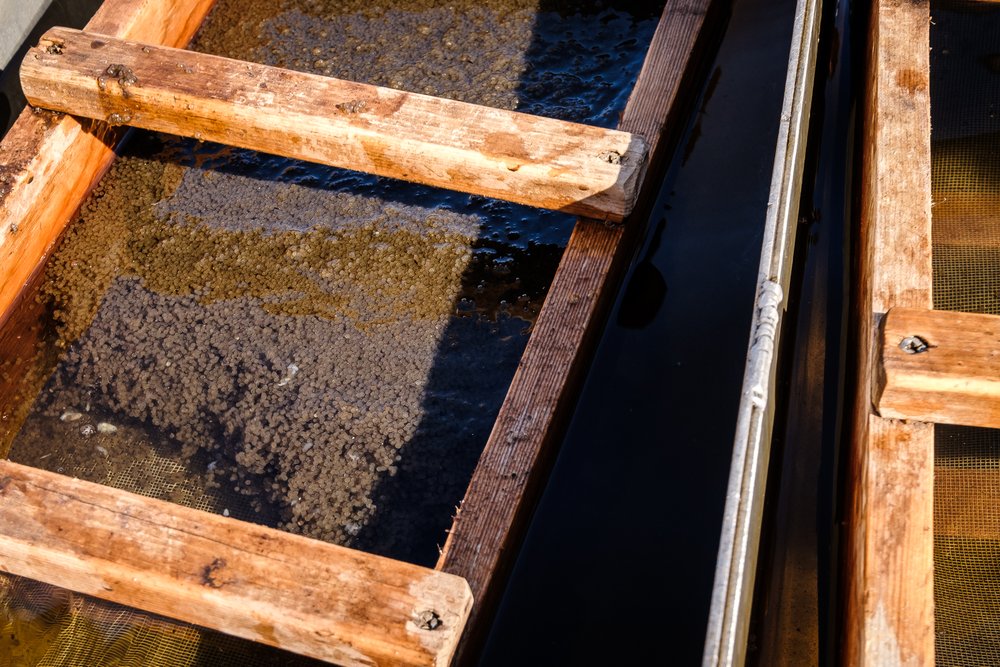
481 546
299 594
496 153
940 366
494 514
888 560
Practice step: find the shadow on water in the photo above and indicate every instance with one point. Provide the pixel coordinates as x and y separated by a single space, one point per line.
581 65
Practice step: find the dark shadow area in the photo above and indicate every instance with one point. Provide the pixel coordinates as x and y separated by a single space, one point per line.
582 64
618 563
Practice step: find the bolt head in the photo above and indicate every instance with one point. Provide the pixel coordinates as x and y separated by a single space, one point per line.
913 345
428 620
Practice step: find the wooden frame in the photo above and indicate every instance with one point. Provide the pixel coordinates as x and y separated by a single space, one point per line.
37 200
541 162
273 587
888 562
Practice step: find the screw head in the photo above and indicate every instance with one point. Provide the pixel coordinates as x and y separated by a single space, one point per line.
428 620
913 345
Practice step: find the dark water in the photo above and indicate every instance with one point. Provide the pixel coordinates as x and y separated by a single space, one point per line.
618 563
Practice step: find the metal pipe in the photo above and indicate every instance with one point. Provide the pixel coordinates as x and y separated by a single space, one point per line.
732 592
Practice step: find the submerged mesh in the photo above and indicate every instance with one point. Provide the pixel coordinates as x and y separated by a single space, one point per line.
44 626
965 109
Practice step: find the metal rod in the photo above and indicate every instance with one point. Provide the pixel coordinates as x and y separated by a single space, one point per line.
732 592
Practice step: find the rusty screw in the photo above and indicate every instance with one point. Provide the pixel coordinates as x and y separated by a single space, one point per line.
428 620
913 345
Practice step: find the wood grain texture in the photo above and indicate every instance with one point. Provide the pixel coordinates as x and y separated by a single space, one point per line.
956 380
301 595
530 160
888 561
50 162
491 521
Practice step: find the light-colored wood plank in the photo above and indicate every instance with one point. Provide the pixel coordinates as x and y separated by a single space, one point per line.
955 380
484 539
526 159
967 503
50 162
888 560
301 595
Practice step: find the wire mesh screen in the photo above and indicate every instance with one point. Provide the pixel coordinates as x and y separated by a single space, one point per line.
965 109
44 626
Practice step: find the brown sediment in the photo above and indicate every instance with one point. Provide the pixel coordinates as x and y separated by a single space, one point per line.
418 46
297 359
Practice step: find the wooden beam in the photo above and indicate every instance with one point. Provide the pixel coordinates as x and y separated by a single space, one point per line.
888 560
940 366
526 159
966 502
297 594
494 514
49 162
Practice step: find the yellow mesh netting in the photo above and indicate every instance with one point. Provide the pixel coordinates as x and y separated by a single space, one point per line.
965 100
44 626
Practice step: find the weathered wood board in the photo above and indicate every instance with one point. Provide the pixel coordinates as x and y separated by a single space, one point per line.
301 595
508 155
940 366
888 560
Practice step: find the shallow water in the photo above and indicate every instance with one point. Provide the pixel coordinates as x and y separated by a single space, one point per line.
325 350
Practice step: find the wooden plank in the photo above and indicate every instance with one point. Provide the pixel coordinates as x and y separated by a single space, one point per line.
484 539
297 594
888 561
940 366
508 155
49 162
967 503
